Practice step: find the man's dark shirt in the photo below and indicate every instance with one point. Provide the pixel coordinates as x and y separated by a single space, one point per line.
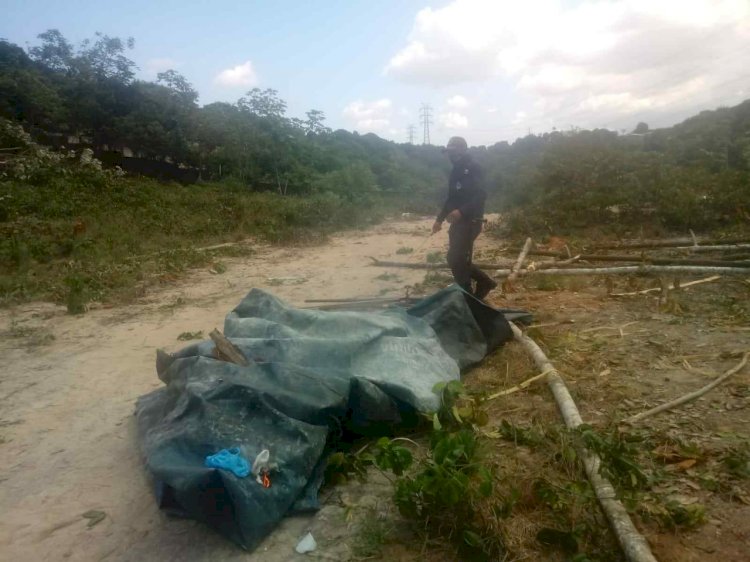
465 192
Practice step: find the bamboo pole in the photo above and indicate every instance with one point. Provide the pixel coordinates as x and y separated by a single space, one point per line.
633 544
630 269
692 395
555 265
654 260
673 243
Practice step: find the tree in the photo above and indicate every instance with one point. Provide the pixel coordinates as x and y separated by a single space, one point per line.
105 58
263 103
641 128
178 84
314 124
55 52
26 94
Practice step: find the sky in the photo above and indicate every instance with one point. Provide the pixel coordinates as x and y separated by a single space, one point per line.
490 70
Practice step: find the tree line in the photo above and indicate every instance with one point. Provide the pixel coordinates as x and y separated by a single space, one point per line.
693 175
91 90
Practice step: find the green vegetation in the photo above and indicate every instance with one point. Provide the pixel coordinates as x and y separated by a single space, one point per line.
73 232
461 486
89 92
693 175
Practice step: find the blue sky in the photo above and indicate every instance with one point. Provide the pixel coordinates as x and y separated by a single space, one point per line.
491 69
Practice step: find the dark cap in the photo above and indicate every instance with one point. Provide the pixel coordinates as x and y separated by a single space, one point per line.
456 144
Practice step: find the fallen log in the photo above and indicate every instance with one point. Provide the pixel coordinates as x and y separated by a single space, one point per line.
633 544
690 396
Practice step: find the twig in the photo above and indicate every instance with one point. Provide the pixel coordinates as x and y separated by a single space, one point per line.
597 328
518 387
549 324
353 299
633 544
381 263
657 289
692 395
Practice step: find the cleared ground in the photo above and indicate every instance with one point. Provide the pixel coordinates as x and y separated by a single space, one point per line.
69 384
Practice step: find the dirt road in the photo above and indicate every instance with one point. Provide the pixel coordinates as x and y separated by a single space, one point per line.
69 384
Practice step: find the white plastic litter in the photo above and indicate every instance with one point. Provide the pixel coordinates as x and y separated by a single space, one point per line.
307 544
261 464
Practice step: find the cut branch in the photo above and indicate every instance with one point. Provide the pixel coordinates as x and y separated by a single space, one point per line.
225 350
657 289
633 544
518 387
692 395
519 262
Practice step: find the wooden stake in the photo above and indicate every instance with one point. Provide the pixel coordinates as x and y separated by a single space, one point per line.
692 395
633 544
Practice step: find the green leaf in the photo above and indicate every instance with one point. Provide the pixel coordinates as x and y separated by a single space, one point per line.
436 425
456 415
472 539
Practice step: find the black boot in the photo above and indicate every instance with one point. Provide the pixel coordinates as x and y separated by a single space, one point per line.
483 288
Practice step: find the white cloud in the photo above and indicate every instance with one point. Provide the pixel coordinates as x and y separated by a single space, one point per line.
374 116
240 75
156 65
585 63
519 118
457 101
453 120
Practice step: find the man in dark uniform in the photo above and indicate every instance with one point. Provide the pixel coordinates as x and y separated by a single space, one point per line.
464 210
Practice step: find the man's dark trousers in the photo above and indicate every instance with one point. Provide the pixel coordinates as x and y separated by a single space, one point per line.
461 236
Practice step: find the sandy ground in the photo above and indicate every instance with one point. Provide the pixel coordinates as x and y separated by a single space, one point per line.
67 431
